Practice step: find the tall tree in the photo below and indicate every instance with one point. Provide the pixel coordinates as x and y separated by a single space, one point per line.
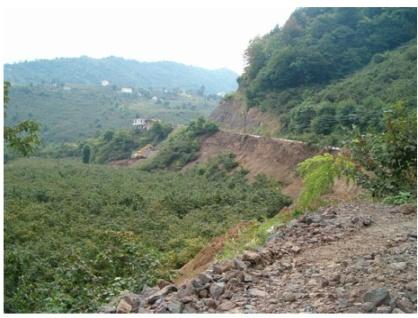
24 137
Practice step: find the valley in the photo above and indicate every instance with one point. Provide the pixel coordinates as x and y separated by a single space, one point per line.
161 187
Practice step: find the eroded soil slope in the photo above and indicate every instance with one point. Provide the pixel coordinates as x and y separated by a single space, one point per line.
233 115
276 158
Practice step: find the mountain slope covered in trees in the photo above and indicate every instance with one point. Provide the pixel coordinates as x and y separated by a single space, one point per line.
121 72
328 69
84 111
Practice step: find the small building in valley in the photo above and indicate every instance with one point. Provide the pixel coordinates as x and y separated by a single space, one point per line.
126 90
143 123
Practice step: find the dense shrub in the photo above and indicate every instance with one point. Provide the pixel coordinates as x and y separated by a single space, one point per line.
319 174
76 235
182 146
389 158
316 46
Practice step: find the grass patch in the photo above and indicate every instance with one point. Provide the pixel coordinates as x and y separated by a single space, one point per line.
255 235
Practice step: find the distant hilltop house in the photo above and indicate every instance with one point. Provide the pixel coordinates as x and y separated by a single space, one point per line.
126 90
221 94
184 94
154 98
143 124
105 83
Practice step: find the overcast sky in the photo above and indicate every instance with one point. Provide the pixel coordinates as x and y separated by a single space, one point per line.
211 38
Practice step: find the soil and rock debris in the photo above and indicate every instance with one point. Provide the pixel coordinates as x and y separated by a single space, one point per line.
350 258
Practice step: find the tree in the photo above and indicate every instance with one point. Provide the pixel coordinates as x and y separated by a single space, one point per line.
108 135
24 137
86 154
390 155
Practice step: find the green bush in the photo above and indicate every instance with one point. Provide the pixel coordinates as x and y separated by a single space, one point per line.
181 147
389 158
318 174
400 198
75 235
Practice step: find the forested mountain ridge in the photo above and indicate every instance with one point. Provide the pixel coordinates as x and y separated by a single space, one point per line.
317 45
328 69
121 72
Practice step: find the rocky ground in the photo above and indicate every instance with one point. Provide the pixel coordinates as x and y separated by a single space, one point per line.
344 259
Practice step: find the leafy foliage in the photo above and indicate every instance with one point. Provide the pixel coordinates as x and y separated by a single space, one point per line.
112 145
317 45
328 70
181 147
400 198
89 111
86 154
389 158
319 174
23 137
77 235
330 115
383 163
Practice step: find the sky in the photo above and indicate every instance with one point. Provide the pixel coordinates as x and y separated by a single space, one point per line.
207 33
207 37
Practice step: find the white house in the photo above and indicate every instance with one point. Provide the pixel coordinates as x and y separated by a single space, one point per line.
142 123
126 90
105 83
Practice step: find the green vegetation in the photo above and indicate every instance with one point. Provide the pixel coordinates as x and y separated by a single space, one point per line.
86 154
329 69
75 235
181 147
117 145
88 111
385 164
252 236
23 138
359 101
319 174
389 159
78 232
112 145
317 45
121 72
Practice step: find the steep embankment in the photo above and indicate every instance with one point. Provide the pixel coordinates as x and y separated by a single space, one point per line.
342 259
273 157
232 114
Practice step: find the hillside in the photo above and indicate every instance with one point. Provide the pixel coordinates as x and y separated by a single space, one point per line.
330 111
120 72
300 198
274 158
76 112
76 235
326 70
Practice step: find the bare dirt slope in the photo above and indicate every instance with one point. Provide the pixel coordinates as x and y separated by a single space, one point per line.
276 158
346 258
233 115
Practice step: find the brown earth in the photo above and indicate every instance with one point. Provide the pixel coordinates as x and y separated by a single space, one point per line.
206 256
274 157
137 157
233 115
